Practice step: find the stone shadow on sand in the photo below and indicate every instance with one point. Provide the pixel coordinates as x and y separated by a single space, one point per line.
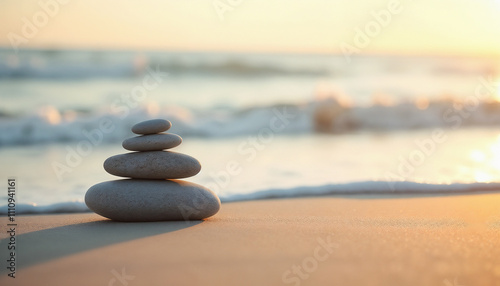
40 246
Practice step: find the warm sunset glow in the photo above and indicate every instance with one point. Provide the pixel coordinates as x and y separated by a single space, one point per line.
483 177
495 157
497 96
420 27
486 162
495 148
477 156
422 103
50 114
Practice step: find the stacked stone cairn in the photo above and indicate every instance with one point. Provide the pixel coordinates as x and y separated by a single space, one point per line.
153 191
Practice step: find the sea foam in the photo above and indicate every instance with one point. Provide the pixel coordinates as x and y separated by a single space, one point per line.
49 125
379 188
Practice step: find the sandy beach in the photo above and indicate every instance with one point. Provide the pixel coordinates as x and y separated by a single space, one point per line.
447 240
343 143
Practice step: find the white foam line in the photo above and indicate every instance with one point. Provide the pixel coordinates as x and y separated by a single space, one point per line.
354 188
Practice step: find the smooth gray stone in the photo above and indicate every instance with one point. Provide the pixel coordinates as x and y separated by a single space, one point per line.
151 126
152 200
152 142
152 165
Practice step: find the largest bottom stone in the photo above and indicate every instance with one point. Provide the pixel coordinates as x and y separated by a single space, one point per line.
152 200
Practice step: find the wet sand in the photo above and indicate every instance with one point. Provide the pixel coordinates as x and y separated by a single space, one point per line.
440 240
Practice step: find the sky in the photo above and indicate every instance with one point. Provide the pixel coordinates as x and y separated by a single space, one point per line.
431 27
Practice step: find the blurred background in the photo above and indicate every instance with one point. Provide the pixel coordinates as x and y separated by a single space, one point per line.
303 97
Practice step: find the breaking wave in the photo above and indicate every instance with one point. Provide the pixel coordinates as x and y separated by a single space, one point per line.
50 125
60 64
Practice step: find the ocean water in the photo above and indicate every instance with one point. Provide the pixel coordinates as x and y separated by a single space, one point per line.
263 126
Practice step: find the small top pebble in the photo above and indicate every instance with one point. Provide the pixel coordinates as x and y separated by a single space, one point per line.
152 142
152 126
